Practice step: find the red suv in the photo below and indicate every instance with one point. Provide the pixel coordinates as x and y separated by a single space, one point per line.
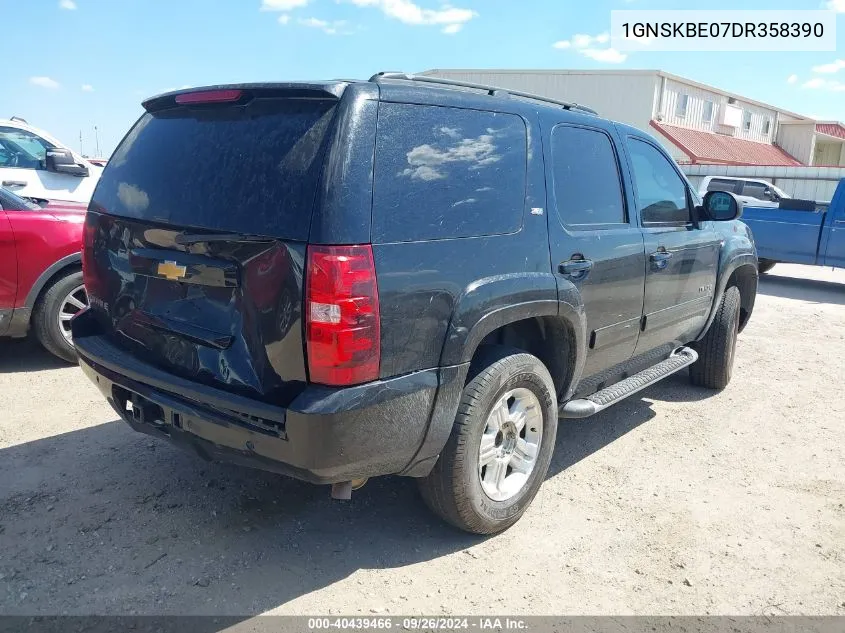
41 270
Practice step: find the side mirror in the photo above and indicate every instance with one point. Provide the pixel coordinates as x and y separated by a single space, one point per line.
721 206
61 161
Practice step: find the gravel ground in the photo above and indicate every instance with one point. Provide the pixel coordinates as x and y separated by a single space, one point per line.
677 501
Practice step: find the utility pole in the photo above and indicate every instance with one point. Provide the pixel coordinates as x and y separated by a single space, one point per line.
81 151
97 141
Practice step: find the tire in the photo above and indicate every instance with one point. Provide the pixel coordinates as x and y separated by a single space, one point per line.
765 265
46 316
454 489
717 349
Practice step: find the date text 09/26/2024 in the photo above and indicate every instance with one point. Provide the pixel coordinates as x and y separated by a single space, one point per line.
419 623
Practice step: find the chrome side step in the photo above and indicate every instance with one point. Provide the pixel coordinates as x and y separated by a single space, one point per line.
585 407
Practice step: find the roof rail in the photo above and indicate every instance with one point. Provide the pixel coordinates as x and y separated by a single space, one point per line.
490 90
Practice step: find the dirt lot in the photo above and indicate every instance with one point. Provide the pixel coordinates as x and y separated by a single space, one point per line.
680 501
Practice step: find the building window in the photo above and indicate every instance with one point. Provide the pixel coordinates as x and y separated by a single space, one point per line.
746 120
767 124
707 113
681 106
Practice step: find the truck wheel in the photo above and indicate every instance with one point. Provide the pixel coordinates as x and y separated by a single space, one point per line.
501 444
717 349
765 265
51 320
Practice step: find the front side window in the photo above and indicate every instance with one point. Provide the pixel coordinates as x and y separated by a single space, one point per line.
588 190
661 192
22 149
756 190
445 173
681 106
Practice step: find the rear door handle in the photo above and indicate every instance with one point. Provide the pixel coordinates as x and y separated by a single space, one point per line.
575 267
14 183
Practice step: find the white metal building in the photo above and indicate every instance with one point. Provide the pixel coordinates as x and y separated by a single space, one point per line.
698 124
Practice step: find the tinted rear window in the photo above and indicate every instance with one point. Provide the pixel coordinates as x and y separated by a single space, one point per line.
447 172
250 169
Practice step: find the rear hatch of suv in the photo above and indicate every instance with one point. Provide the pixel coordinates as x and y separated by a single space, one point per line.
195 237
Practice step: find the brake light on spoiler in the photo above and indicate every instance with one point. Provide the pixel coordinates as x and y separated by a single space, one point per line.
342 329
209 96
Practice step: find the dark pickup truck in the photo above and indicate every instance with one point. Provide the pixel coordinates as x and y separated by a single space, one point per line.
399 276
800 231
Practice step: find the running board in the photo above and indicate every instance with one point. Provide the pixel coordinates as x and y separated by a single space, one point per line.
585 407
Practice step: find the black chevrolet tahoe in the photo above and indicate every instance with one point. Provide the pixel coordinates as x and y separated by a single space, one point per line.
403 275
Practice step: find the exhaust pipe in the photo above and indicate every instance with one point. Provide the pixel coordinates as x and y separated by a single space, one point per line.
343 489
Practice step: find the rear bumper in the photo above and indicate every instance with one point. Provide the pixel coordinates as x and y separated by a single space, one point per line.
326 435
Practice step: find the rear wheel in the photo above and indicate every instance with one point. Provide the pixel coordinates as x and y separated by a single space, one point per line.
765 265
51 320
501 444
717 349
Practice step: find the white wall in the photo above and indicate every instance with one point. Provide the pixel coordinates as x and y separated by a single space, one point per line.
624 97
797 140
695 109
828 153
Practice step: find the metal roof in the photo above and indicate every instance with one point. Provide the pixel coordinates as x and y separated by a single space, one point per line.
708 148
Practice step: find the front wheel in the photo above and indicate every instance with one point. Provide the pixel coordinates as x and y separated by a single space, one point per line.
501 444
51 320
717 349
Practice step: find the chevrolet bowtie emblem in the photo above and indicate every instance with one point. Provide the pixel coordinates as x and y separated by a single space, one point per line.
171 271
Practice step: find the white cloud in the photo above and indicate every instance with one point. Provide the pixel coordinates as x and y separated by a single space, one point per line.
284 18
606 55
452 18
828 69
70 5
330 28
44 82
830 85
87 88
792 79
586 46
132 197
282 5
836 5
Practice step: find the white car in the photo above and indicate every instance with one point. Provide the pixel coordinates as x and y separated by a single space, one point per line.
750 191
35 165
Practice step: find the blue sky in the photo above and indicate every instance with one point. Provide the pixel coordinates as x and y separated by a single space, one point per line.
73 64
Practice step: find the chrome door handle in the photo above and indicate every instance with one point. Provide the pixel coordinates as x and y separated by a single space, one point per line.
575 267
14 183
660 259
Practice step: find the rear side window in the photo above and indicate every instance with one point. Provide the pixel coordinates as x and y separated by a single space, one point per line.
447 173
245 169
719 184
588 190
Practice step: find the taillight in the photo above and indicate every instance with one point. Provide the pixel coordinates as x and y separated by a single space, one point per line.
341 315
89 266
